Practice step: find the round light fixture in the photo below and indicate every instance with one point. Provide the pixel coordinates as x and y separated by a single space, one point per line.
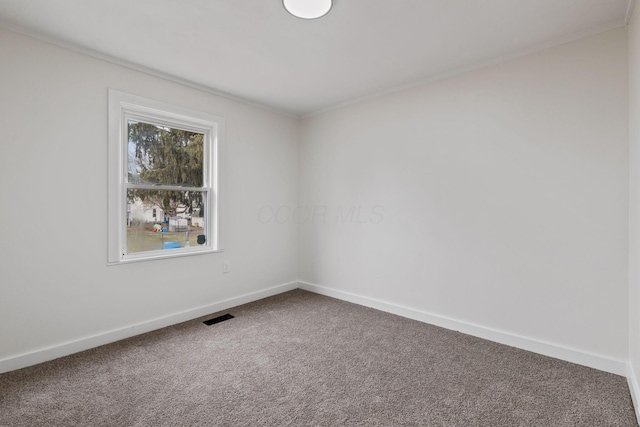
308 9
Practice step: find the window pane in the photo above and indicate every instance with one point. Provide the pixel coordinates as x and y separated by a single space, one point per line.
163 155
164 220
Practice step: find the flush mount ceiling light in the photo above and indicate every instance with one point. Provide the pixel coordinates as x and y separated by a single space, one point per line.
308 9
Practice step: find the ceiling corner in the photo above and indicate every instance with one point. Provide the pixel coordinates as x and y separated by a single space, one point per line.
630 6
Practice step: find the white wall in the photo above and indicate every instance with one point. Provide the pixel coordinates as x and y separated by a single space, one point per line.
55 286
503 194
634 207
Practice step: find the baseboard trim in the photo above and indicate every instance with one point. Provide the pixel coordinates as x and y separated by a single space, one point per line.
603 363
591 360
634 389
45 354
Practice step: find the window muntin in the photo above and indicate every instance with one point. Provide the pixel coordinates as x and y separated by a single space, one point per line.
164 197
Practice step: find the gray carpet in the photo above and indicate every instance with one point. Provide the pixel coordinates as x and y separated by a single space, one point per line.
300 359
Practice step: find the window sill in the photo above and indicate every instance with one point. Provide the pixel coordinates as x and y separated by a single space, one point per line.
166 254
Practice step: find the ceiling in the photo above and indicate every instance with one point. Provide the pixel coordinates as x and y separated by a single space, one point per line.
255 51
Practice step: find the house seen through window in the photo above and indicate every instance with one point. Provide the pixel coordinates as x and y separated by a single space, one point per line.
169 157
165 201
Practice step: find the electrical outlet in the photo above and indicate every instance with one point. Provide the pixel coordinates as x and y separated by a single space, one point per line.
225 267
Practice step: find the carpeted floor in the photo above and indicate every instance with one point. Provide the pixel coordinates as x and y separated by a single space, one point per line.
300 359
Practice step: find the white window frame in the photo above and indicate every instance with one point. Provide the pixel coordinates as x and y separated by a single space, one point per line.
123 107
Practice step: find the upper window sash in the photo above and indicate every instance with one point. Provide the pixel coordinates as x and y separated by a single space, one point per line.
209 130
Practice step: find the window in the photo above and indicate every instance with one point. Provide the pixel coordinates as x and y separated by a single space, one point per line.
164 170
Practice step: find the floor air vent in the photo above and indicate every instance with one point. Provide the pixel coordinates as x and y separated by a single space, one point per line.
218 319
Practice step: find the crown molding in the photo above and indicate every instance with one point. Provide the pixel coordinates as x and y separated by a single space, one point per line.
138 67
470 67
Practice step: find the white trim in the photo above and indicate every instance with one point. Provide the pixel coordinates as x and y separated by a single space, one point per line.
579 357
596 361
634 389
123 106
64 349
188 83
470 67
138 67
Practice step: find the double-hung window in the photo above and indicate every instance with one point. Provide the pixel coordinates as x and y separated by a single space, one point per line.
164 179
